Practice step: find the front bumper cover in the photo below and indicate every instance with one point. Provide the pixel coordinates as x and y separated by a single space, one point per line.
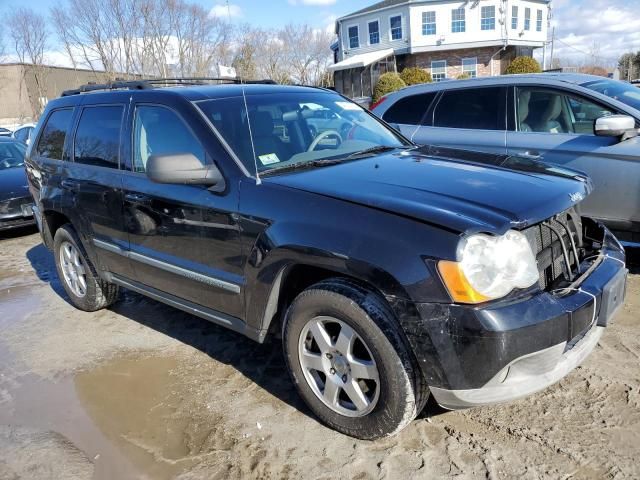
503 351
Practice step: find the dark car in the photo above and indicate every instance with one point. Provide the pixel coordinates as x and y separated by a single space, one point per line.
390 273
15 198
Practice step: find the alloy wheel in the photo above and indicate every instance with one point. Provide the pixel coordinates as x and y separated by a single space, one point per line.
73 269
338 366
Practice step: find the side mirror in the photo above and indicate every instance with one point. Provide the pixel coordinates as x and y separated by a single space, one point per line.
183 168
622 126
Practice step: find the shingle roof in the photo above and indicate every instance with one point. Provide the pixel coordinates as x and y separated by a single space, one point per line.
378 6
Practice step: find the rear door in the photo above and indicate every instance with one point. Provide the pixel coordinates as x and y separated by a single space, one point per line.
469 118
184 239
93 180
556 126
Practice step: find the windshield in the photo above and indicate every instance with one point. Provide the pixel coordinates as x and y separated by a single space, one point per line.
621 91
296 128
11 155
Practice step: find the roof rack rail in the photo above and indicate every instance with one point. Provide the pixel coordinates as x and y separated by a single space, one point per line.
120 84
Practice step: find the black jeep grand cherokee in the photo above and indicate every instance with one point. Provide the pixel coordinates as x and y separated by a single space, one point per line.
391 272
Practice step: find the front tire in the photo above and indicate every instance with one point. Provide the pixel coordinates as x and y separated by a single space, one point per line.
350 361
86 290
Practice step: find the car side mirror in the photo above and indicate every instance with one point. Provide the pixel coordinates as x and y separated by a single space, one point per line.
185 169
622 126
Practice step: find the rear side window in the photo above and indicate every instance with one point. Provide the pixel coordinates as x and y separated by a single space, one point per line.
160 131
478 109
54 132
409 110
97 139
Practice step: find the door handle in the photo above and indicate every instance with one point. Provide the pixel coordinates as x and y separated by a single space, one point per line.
137 199
71 185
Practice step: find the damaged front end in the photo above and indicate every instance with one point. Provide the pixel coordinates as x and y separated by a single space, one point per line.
504 349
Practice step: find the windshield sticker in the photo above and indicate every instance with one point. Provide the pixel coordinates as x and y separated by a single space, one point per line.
269 159
349 106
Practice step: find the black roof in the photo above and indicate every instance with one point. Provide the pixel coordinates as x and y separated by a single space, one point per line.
193 93
378 6
192 89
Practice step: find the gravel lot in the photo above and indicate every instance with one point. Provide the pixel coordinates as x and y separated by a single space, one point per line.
145 391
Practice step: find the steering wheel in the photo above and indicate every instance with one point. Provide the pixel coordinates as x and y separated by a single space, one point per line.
322 136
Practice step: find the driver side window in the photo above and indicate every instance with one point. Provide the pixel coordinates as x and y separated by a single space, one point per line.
160 131
543 110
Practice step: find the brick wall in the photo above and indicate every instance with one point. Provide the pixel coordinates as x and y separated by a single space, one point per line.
454 60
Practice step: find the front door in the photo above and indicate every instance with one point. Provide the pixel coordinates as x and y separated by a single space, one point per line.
184 239
557 126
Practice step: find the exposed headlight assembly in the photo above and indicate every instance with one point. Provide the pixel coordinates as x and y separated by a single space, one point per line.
489 267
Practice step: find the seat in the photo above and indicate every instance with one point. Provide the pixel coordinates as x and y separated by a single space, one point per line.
523 111
549 119
264 139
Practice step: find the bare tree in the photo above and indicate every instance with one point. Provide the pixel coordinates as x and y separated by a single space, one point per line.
200 38
308 54
148 37
28 34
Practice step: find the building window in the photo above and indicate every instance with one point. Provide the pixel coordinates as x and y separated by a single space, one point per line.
439 70
514 18
428 23
470 67
527 19
488 18
458 23
539 21
374 33
354 40
395 23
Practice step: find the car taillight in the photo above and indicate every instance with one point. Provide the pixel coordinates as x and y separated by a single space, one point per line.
382 99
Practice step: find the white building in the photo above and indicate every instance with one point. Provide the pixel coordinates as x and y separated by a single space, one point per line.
447 38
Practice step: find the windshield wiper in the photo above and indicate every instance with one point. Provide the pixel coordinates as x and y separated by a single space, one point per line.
301 165
372 151
329 161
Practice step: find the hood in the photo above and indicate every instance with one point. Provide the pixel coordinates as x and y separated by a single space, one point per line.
457 195
13 183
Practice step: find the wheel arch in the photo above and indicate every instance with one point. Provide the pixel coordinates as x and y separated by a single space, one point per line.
294 277
52 220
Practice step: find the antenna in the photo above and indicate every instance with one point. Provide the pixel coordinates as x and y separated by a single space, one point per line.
253 147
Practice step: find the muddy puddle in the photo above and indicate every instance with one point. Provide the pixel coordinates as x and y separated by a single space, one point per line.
122 415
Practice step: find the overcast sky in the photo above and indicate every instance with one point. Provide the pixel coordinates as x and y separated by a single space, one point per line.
608 27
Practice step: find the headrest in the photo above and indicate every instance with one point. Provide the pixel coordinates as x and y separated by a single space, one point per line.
523 105
261 124
554 108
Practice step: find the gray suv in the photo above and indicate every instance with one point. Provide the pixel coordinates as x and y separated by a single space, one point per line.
579 121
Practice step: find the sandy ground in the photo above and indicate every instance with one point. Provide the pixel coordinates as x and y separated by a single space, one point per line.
144 391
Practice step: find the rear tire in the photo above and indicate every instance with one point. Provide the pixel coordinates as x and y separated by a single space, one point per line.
86 290
377 370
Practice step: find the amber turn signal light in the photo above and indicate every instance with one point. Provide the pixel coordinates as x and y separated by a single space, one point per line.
457 284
